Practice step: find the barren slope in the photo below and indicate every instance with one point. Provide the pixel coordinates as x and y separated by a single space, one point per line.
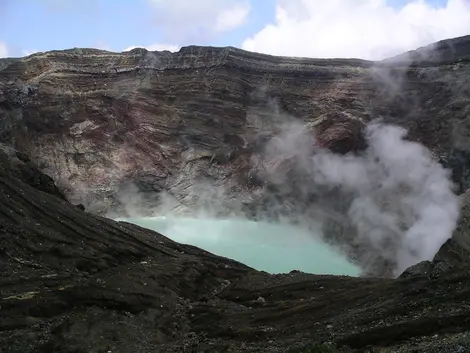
75 282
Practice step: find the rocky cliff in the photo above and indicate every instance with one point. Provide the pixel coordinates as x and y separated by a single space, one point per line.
96 121
123 133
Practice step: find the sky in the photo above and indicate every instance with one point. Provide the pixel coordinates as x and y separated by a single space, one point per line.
366 29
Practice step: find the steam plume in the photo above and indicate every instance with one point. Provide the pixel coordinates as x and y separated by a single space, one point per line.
404 204
399 202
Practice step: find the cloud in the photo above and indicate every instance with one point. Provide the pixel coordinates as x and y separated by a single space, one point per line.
156 47
233 17
185 21
3 50
367 29
60 6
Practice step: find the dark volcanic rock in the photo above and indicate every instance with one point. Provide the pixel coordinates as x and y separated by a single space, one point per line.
75 282
420 269
19 165
456 251
444 51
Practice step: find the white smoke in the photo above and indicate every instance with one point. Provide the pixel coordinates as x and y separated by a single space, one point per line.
403 205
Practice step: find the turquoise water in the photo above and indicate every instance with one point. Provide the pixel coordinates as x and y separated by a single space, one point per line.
263 246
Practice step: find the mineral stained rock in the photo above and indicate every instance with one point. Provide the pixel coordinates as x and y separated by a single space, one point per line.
100 123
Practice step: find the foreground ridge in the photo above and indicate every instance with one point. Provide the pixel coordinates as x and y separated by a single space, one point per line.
72 281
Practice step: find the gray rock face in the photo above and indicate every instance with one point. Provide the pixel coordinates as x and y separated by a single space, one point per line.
423 268
93 119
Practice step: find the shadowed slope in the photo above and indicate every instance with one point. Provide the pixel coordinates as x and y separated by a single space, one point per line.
74 282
